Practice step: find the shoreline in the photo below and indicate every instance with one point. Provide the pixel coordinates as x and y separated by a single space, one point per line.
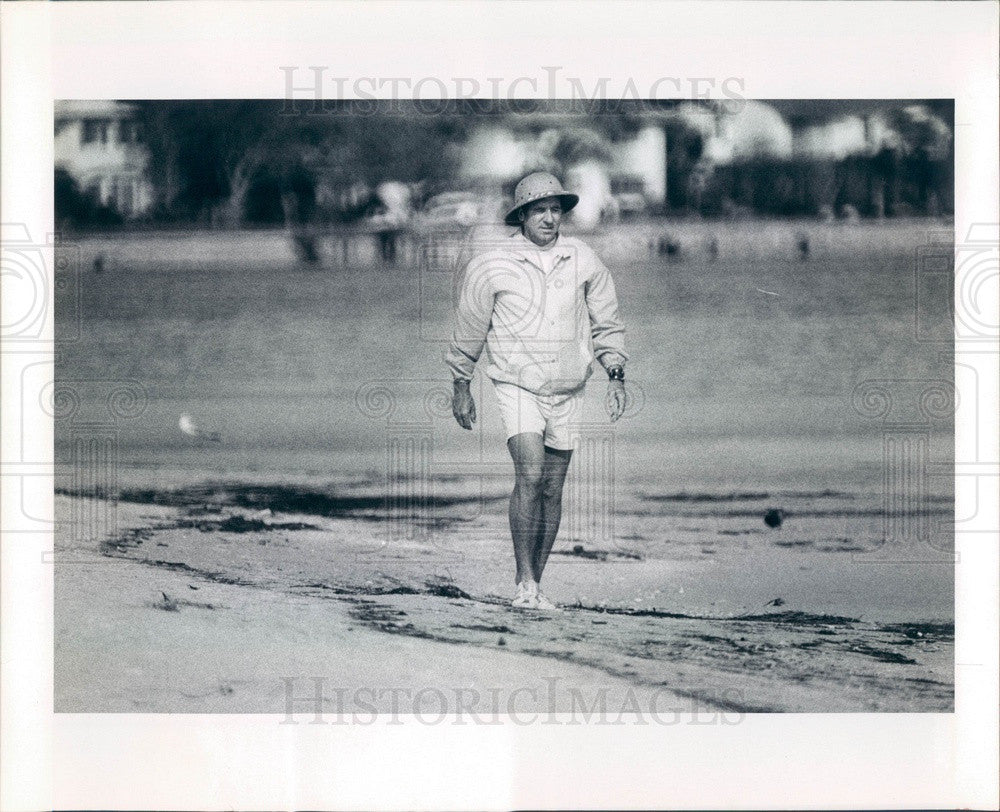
207 606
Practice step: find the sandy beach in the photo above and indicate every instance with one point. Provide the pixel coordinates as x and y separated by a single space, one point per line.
342 528
207 600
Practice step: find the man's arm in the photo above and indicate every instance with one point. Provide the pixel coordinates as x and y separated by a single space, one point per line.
611 359
608 335
472 321
606 328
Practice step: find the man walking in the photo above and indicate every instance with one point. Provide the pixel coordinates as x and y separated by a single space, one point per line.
545 307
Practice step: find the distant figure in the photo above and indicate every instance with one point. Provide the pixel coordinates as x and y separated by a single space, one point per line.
802 244
850 213
304 242
99 263
544 306
387 244
346 208
712 247
298 204
669 246
774 517
396 207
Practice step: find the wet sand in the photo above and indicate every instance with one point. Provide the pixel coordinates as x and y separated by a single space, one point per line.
209 598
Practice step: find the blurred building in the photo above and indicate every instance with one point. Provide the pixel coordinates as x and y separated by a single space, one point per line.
614 177
779 157
99 145
831 157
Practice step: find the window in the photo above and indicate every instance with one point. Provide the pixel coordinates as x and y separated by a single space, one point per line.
95 131
93 190
128 132
124 195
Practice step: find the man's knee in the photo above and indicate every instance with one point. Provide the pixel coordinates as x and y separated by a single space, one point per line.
530 481
552 489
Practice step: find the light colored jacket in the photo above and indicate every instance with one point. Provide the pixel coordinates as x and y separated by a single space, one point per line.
541 330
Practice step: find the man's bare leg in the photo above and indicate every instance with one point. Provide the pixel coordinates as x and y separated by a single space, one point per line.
528 454
554 468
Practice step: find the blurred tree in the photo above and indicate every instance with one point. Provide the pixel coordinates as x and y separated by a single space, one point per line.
402 144
576 144
927 153
226 161
685 146
160 127
205 157
74 208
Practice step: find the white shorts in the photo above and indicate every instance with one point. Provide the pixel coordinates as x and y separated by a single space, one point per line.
553 416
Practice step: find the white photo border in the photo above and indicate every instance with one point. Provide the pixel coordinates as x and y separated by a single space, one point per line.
235 50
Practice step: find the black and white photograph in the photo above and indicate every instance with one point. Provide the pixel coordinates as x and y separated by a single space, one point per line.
360 376
499 405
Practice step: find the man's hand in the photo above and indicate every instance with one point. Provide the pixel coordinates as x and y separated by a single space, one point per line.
615 400
463 406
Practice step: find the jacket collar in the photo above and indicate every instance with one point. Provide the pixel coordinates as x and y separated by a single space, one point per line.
525 250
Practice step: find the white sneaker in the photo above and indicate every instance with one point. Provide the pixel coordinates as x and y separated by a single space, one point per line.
527 596
542 602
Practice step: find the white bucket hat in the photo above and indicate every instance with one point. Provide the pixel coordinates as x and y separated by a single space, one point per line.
537 186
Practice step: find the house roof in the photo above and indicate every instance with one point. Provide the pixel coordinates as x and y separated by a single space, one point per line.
69 109
819 110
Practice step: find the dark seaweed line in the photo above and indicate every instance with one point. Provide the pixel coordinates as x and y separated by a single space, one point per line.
381 617
940 631
386 624
389 626
842 513
281 498
756 496
453 592
278 498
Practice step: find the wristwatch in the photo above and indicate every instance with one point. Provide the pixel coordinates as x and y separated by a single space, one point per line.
616 373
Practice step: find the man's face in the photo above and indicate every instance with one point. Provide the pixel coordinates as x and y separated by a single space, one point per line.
540 220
